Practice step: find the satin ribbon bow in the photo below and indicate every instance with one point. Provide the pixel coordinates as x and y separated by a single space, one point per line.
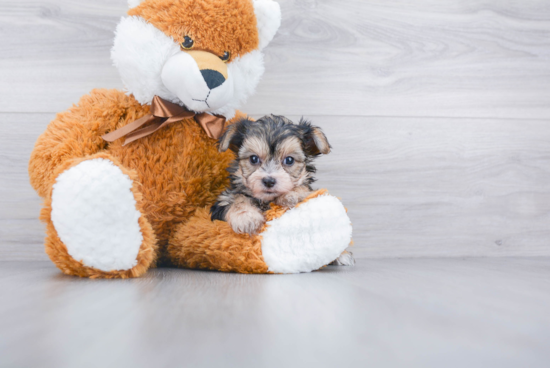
162 114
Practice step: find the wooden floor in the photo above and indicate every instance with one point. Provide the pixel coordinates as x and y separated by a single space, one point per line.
382 313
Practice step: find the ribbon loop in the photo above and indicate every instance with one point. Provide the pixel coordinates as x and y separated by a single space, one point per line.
162 114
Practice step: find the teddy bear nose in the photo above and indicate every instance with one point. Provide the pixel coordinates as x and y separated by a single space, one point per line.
212 78
269 182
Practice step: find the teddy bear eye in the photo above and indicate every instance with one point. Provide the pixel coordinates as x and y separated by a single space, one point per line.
289 161
254 160
187 43
226 56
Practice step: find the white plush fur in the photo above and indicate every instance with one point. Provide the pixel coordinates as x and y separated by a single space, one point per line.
246 72
307 237
140 52
268 15
94 213
151 63
182 76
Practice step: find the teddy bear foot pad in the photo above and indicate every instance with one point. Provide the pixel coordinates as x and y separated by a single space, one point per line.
307 237
94 213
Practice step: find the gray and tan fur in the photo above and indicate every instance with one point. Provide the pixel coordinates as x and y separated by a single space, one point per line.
274 165
263 174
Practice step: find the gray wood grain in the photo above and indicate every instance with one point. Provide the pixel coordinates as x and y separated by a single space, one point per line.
434 110
382 313
413 187
21 233
483 58
441 187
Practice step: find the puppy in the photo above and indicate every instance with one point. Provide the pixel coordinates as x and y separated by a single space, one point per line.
273 165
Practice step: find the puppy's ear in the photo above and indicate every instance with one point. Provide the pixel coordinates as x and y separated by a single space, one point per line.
314 140
234 136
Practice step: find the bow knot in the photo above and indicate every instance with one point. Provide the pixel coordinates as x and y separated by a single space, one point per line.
162 114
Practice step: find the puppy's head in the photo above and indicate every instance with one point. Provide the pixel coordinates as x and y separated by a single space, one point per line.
274 155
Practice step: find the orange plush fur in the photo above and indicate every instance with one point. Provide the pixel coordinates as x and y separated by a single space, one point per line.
187 171
224 25
177 172
203 244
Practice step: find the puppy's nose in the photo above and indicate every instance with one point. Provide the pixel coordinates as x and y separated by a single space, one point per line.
212 78
269 182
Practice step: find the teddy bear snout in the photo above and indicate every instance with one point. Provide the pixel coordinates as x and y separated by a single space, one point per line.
200 80
213 78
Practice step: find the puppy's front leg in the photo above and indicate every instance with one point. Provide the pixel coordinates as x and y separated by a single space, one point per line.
244 217
292 198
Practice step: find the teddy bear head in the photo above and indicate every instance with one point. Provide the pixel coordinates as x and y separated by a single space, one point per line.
205 55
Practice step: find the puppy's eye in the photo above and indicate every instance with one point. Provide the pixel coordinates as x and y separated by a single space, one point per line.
226 56
254 160
187 43
289 161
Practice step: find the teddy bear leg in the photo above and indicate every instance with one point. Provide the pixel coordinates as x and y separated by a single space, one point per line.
95 227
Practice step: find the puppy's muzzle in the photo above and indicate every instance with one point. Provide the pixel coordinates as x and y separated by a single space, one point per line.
213 69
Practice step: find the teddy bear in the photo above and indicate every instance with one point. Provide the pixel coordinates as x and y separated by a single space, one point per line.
127 177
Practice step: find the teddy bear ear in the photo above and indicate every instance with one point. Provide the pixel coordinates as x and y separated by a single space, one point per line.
268 15
134 3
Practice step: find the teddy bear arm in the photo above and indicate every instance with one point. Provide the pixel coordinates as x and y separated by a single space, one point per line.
302 239
204 244
75 133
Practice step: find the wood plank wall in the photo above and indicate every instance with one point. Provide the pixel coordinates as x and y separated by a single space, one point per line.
438 111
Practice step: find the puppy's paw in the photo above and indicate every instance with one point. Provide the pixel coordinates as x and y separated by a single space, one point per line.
345 259
246 222
291 199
